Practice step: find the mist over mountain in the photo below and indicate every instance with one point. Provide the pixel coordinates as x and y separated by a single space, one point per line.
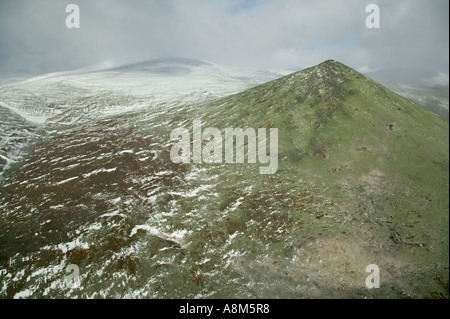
432 98
74 97
362 179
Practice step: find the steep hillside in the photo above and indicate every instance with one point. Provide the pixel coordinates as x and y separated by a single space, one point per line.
376 166
362 179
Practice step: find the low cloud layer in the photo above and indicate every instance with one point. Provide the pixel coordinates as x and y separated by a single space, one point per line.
264 34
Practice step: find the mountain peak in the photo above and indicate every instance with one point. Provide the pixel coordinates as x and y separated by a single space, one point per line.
329 78
166 66
332 66
322 108
330 61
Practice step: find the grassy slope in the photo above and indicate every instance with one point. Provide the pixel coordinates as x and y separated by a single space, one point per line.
350 191
367 155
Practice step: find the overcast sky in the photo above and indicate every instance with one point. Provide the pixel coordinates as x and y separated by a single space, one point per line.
413 41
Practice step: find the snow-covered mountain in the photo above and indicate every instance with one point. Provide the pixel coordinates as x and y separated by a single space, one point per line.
62 99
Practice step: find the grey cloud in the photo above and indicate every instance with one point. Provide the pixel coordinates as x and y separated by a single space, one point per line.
266 34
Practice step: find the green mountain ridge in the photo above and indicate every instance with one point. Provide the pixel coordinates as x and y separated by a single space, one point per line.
329 99
362 179
372 153
333 119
